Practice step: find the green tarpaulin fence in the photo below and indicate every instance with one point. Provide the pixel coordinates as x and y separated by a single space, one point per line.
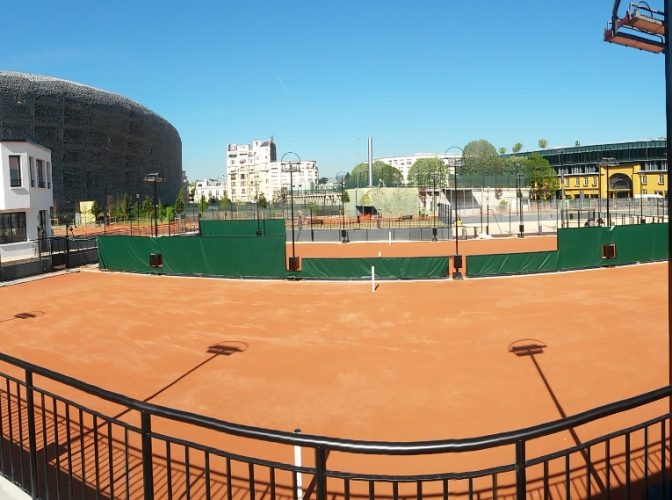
267 227
251 257
385 268
580 248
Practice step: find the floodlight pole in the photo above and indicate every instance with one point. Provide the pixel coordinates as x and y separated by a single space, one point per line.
434 231
292 263
457 259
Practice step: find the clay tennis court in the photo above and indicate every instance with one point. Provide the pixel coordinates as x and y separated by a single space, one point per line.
412 361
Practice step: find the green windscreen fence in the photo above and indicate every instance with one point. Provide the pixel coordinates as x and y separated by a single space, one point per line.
581 248
384 268
267 227
250 257
512 263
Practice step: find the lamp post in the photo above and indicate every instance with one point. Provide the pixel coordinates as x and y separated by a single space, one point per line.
137 210
340 176
641 198
290 167
256 199
434 231
665 47
154 178
607 162
519 196
457 259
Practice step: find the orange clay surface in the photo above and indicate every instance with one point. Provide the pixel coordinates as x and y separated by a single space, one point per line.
412 361
424 248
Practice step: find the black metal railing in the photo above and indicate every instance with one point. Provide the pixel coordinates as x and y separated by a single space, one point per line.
116 446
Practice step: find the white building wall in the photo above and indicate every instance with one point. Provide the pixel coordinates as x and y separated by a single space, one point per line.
33 194
209 188
251 171
404 163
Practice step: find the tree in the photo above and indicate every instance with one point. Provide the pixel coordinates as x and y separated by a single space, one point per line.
481 158
147 205
212 200
202 204
517 147
577 143
261 201
179 202
225 203
383 174
95 209
421 172
502 150
345 196
541 177
543 143
323 180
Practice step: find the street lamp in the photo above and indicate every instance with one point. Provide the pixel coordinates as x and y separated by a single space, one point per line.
434 231
519 196
607 162
340 176
154 178
290 167
256 199
457 259
137 209
642 180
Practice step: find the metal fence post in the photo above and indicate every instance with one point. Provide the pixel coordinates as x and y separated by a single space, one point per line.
521 481
320 476
32 446
147 464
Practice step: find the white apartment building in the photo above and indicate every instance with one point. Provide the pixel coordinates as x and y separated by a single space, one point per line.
404 163
254 169
209 188
26 198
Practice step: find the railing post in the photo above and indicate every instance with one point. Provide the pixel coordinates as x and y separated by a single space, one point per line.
147 464
521 481
32 446
320 473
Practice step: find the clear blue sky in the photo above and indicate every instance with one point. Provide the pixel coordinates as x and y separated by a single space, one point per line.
323 76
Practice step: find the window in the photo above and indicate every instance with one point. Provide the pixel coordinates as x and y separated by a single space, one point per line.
643 178
566 182
49 175
661 179
31 163
39 164
13 227
594 181
577 182
15 171
644 191
585 181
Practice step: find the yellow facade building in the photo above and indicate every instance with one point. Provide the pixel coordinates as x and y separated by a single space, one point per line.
625 181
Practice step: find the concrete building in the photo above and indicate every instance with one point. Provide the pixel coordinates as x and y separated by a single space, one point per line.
102 144
629 169
254 169
404 163
26 198
209 188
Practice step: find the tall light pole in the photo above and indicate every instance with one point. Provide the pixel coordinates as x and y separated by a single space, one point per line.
659 25
290 167
519 196
155 178
607 162
340 176
457 259
256 199
434 231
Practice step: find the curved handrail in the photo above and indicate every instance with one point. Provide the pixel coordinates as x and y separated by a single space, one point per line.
351 445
